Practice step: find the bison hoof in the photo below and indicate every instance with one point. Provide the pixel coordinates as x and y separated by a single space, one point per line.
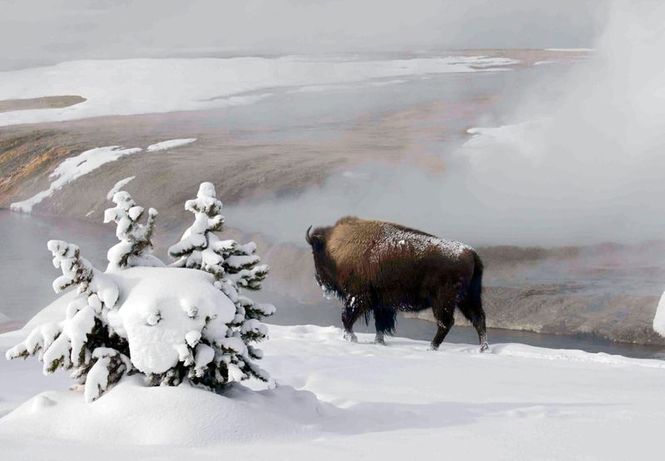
433 348
484 347
350 337
380 340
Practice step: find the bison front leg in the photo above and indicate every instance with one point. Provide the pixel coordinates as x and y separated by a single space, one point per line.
353 309
445 322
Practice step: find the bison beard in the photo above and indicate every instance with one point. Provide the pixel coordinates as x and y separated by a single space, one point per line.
377 268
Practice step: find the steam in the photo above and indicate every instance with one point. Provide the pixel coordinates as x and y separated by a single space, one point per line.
584 167
34 32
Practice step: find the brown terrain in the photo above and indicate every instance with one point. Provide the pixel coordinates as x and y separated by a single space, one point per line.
46 102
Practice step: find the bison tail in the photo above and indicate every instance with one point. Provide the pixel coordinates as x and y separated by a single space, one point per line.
471 304
475 289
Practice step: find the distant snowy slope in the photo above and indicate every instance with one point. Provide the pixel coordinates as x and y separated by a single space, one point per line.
357 401
73 168
82 164
170 144
138 86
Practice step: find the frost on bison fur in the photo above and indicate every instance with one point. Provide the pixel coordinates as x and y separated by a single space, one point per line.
378 267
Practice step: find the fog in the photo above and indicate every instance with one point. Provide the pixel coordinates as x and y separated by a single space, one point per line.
582 162
46 32
579 159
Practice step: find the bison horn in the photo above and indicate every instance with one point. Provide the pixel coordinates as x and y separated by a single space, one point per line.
308 238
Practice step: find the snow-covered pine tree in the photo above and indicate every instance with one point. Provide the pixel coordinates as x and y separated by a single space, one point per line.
83 342
235 267
135 246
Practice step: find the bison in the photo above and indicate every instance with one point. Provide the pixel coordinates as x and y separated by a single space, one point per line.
378 268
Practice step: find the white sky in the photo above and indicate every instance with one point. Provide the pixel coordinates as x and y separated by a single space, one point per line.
36 32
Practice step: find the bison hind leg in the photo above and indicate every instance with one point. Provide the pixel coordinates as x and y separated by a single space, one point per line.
384 322
473 311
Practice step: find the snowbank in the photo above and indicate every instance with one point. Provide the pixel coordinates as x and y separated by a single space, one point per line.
137 415
359 401
138 86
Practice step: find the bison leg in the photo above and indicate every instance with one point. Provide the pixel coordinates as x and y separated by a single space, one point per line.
384 322
443 308
473 311
353 309
478 322
445 321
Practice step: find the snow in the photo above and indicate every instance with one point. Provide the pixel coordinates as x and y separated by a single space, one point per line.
119 185
164 295
165 85
135 246
572 50
89 160
359 401
73 168
659 318
395 237
151 313
170 144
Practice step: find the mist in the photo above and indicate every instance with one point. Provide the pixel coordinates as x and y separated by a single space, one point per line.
39 33
580 163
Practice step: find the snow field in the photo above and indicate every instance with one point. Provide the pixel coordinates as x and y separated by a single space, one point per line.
139 86
361 401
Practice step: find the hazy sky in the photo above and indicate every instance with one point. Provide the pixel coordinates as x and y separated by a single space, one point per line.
48 31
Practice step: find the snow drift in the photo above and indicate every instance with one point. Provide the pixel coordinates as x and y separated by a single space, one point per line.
137 415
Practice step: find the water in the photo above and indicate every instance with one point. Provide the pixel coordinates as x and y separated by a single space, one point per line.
26 274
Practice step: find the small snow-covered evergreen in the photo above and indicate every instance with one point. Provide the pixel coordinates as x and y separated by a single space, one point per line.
235 267
135 246
169 324
83 342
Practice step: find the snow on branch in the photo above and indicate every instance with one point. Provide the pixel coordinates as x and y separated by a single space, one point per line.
185 323
234 268
135 246
73 343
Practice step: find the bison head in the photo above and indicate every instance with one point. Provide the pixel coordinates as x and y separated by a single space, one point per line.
325 267
316 240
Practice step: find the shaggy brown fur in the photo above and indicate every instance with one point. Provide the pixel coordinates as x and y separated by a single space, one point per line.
377 268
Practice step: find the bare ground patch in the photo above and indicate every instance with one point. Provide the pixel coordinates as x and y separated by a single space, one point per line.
45 102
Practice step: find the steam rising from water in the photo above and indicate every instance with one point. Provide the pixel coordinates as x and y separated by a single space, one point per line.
582 168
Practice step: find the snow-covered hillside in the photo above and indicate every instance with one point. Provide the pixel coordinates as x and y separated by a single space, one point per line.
356 401
74 167
138 86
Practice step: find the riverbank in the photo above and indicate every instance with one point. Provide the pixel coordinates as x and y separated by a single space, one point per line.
591 317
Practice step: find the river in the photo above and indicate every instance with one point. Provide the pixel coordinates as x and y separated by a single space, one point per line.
26 274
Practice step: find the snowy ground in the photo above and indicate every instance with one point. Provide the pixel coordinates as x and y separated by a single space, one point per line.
166 85
358 401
